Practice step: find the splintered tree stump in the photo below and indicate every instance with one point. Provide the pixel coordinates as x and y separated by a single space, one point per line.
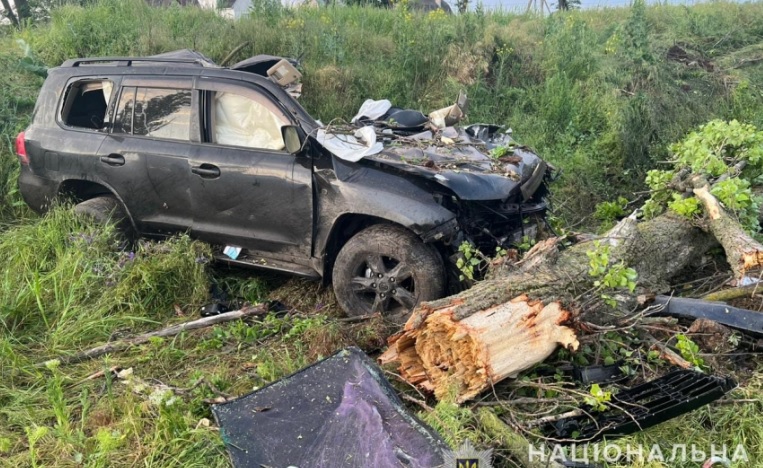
464 357
743 253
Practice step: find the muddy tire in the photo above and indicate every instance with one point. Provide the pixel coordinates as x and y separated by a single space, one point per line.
387 269
104 209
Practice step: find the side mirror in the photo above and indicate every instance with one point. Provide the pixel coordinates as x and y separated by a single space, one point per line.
293 138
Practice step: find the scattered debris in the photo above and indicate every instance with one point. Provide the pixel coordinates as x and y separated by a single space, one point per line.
435 148
372 110
644 406
748 321
351 147
679 53
337 412
668 355
232 252
451 115
711 336
112 371
599 374
214 308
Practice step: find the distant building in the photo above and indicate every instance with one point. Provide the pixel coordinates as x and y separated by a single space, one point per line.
227 8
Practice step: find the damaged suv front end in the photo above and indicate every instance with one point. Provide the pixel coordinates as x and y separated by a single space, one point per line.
494 188
493 195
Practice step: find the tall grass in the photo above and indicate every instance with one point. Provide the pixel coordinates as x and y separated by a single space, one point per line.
592 91
18 90
63 282
64 286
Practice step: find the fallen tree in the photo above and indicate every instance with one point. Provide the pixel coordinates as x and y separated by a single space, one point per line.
463 344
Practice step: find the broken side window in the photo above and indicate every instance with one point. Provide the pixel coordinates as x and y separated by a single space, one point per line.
250 121
86 103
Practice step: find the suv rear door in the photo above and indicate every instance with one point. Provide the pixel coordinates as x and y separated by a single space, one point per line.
67 149
246 190
145 156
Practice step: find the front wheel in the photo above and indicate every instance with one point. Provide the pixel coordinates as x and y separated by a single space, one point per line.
387 269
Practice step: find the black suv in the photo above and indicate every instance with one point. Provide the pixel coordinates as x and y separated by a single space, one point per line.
175 143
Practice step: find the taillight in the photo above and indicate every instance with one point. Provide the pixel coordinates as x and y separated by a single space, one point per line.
21 149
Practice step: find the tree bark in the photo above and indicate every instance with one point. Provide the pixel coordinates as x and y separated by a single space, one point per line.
742 251
8 12
23 11
461 345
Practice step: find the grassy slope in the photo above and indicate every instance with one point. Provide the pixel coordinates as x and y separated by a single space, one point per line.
592 91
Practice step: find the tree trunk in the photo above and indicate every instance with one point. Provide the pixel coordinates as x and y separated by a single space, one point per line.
8 12
742 251
461 345
22 10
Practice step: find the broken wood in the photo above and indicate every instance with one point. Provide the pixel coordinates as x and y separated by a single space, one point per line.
742 251
463 344
711 336
734 293
670 356
467 356
125 344
113 370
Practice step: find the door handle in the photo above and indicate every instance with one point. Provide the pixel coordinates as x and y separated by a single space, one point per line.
206 171
113 159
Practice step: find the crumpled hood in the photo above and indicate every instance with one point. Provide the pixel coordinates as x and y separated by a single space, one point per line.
470 174
459 158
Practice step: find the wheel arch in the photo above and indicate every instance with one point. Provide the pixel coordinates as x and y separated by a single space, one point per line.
79 190
343 229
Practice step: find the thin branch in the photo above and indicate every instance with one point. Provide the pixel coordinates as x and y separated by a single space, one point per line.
123 345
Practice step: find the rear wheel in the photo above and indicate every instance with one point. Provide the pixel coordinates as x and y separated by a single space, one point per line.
387 269
105 209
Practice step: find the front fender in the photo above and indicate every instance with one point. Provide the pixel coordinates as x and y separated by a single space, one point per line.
354 189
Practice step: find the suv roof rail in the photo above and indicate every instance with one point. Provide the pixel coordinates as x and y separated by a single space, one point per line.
128 61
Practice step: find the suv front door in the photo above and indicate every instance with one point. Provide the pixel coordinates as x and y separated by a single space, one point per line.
246 190
145 156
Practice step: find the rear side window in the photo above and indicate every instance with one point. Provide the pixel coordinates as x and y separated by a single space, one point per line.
85 104
154 112
123 117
